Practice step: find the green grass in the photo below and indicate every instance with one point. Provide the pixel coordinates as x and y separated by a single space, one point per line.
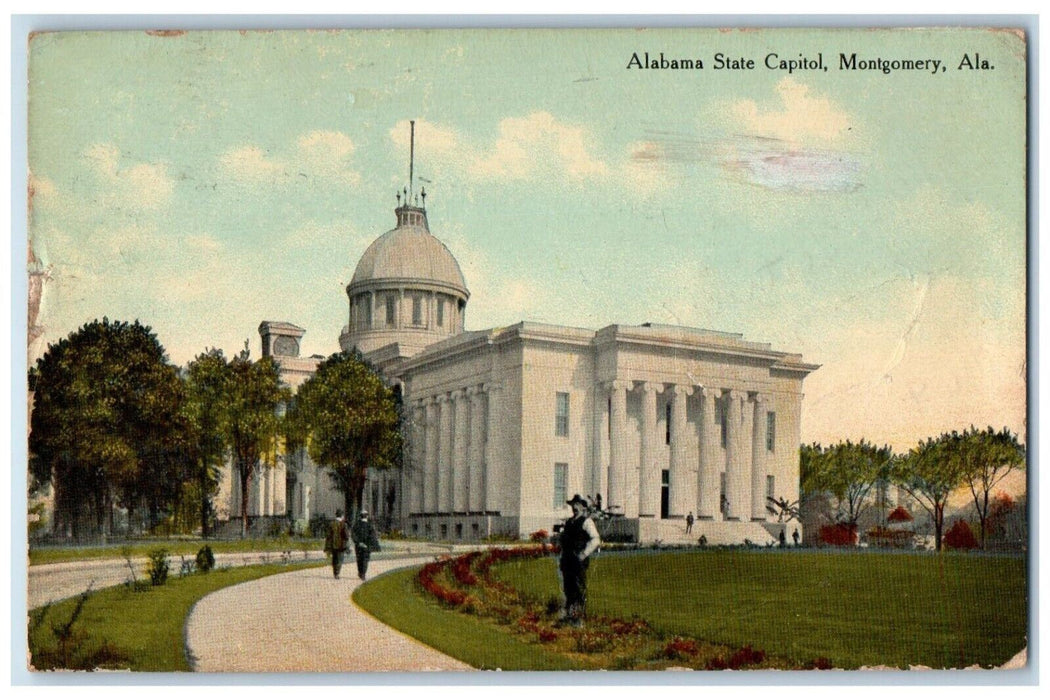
396 600
943 611
175 547
124 629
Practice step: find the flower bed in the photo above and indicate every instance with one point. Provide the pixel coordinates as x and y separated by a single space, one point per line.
466 584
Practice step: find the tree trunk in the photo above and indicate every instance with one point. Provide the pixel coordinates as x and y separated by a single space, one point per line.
205 501
244 502
938 526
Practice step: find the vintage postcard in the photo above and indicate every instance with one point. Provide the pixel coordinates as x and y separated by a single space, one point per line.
542 349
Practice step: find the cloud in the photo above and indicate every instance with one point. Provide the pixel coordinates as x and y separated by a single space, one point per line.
800 117
126 184
325 155
774 167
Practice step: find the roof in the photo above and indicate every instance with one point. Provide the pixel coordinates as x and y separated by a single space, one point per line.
409 253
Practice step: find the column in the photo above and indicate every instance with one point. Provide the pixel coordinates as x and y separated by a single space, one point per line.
461 420
683 480
444 491
372 310
476 453
430 464
601 435
758 458
738 455
648 475
618 446
415 482
711 458
492 470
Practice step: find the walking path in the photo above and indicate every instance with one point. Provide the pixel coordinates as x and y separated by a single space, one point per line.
302 621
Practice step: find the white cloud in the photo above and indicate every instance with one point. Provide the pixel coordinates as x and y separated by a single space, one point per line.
325 155
250 163
128 185
801 116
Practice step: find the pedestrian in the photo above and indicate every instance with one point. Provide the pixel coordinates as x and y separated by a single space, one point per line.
335 542
783 539
365 542
579 539
794 536
598 502
689 522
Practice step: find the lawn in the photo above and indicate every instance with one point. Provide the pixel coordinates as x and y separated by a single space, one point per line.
175 547
120 628
943 611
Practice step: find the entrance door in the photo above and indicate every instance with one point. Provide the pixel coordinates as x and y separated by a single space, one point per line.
665 493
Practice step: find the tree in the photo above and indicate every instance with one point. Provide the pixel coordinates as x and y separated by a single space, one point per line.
207 380
987 456
253 399
350 421
104 425
929 473
846 472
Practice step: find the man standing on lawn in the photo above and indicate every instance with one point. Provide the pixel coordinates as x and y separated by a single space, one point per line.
365 542
579 539
335 542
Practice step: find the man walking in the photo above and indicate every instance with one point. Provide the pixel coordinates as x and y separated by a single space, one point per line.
579 539
335 542
689 522
365 542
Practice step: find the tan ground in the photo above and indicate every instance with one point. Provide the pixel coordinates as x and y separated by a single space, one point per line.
302 621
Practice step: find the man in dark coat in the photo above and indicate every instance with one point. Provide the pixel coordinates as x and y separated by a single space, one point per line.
365 542
579 539
335 542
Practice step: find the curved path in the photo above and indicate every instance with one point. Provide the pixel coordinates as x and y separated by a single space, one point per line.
302 621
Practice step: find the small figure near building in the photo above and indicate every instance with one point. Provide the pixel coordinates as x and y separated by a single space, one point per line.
794 536
783 538
335 542
366 541
579 539
689 523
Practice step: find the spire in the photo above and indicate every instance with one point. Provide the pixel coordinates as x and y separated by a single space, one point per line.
410 210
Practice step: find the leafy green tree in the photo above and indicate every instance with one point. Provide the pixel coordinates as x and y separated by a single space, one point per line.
349 421
986 457
104 425
253 425
842 476
929 473
207 380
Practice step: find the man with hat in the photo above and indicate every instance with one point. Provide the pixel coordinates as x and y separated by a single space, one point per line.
365 542
335 542
579 539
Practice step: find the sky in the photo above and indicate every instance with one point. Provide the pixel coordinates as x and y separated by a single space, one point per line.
873 222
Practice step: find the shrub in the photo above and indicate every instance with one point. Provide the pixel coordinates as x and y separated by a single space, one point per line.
205 559
158 567
679 648
960 536
539 536
839 535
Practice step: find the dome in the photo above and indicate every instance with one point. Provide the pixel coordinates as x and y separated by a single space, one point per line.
409 254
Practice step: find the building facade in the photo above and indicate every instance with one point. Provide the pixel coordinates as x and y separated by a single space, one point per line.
504 425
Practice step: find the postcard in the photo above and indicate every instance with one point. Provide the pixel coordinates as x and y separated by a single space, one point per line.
683 349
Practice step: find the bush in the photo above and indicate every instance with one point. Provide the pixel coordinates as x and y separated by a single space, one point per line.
960 536
839 535
205 559
158 567
539 536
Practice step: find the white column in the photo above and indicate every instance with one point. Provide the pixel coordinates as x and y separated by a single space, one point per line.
415 483
476 452
493 463
445 455
683 479
648 474
758 458
618 447
738 455
601 436
711 458
430 465
460 477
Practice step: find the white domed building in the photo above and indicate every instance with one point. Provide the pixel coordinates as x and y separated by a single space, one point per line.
506 424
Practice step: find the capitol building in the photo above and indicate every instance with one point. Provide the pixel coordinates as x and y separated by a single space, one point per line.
503 425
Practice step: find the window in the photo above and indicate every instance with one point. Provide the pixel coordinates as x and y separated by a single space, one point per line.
771 430
366 311
561 482
441 312
459 531
390 310
667 432
771 486
561 414
417 310
723 502
720 416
